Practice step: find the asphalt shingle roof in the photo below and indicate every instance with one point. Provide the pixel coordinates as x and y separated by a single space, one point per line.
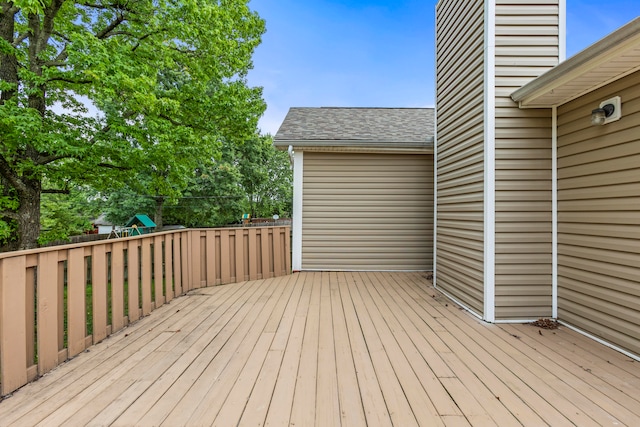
376 125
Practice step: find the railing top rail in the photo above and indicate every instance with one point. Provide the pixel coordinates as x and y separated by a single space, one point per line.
27 252
81 244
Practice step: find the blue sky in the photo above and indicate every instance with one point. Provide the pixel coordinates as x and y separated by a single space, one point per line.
377 53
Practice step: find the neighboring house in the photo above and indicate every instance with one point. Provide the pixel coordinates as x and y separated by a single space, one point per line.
537 210
363 187
103 226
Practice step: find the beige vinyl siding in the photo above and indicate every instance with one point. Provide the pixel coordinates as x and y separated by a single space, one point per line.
526 46
367 211
460 150
599 217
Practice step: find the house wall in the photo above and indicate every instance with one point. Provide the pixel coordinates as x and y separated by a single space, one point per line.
367 211
460 150
599 216
527 45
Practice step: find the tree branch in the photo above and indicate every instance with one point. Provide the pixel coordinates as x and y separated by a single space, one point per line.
10 214
144 37
108 6
8 8
59 60
54 191
22 37
170 120
55 63
67 80
7 172
48 23
95 6
112 26
119 33
110 166
50 159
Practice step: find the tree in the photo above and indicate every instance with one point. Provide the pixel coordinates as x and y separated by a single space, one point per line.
67 215
120 205
251 177
213 198
163 75
267 178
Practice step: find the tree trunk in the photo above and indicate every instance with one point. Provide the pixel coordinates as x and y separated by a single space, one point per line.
158 215
29 216
8 62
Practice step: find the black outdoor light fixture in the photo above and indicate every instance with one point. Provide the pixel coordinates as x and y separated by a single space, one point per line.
608 111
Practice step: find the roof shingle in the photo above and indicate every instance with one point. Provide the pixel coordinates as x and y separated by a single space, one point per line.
373 125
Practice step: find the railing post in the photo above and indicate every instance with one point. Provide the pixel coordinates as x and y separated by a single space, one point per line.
287 249
277 252
146 275
266 253
195 260
253 254
177 263
168 266
133 274
211 257
13 347
185 256
117 286
225 256
99 292
158 277
76 298
47 312
239 255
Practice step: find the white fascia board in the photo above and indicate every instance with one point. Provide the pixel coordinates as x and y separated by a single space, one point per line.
359 146
489 161
296 227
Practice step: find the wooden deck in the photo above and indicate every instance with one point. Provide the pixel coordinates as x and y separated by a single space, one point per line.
329 349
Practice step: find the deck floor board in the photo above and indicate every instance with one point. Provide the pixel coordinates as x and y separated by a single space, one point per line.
332 348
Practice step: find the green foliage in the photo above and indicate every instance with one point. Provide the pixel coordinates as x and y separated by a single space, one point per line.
168 79
267 178
122 204
213 198
251 177
65 215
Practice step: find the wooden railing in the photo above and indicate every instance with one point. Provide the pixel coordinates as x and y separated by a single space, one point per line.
56 302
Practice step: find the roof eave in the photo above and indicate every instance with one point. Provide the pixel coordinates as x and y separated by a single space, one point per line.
359 145
603 51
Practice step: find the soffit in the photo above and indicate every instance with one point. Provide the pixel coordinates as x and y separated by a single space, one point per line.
606 61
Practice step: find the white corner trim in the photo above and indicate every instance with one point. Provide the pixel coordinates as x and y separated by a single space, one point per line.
296 245
460 303
562 31
554 212
489 160
601 341
435 199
